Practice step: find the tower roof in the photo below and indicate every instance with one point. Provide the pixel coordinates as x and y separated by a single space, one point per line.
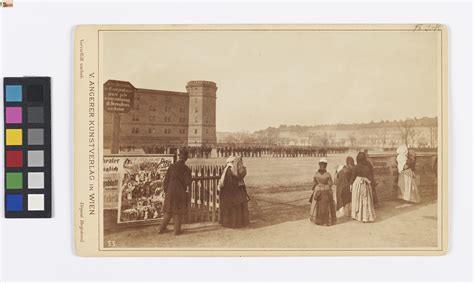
201 84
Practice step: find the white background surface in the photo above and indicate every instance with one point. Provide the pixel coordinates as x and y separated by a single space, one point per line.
37 39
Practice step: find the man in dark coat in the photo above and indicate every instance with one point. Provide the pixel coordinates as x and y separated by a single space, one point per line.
175 184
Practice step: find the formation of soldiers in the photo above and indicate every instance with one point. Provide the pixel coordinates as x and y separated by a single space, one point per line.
155 149
194 151
278 151
205 151
200 151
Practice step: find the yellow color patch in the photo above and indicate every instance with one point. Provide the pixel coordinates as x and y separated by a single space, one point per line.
14 137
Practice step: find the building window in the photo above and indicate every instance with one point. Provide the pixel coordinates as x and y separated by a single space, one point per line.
150 130
196 110
195 131
135 118
134 130
207 132
152 108
195 119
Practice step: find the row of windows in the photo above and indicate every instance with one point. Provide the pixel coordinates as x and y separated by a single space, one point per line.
154 131
167 108
167 131
152 118
196 120
154 108
167 99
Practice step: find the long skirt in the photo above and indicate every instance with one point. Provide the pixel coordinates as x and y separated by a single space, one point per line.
344 211
236 216
407 186
323 209
362 200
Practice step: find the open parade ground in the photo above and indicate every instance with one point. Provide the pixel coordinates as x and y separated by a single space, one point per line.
279 189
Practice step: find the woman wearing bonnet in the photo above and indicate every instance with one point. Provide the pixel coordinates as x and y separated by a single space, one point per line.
408 190
323 210
233 198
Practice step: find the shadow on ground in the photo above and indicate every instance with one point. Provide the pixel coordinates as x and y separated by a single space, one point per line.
271 209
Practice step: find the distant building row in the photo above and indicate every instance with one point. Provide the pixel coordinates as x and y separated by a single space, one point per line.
382 135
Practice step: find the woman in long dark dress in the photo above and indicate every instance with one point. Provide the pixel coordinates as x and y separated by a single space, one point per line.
362 198
343 190
323 210
233 198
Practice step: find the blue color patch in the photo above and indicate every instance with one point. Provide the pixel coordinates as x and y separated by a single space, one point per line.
14 202
13 93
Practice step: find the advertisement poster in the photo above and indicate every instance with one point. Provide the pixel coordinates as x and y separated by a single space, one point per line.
134 186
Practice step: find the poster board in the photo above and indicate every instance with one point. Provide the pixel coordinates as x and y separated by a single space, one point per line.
133 185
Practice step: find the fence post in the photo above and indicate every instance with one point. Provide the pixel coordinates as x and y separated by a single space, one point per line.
214 183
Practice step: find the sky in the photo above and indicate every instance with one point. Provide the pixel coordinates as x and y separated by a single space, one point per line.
272 78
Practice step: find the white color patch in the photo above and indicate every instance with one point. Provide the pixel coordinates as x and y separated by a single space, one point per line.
35 202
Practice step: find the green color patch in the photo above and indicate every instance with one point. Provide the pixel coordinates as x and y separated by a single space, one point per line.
15 180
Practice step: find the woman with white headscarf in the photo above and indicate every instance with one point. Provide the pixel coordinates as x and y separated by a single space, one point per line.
233 198
407 189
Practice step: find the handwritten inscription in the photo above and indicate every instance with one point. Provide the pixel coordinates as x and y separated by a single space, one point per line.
427 27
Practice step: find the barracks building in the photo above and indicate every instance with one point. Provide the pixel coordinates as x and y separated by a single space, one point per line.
167 118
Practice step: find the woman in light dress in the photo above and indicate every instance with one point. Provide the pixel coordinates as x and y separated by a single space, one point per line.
362 198
407 189
323 210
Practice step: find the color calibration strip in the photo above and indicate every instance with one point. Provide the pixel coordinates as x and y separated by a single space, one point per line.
27 117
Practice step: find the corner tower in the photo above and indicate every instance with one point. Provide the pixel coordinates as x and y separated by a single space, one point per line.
202 113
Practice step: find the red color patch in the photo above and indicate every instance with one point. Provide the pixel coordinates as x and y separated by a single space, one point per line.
14 158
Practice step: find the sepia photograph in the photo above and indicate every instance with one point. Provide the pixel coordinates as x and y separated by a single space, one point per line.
269 138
